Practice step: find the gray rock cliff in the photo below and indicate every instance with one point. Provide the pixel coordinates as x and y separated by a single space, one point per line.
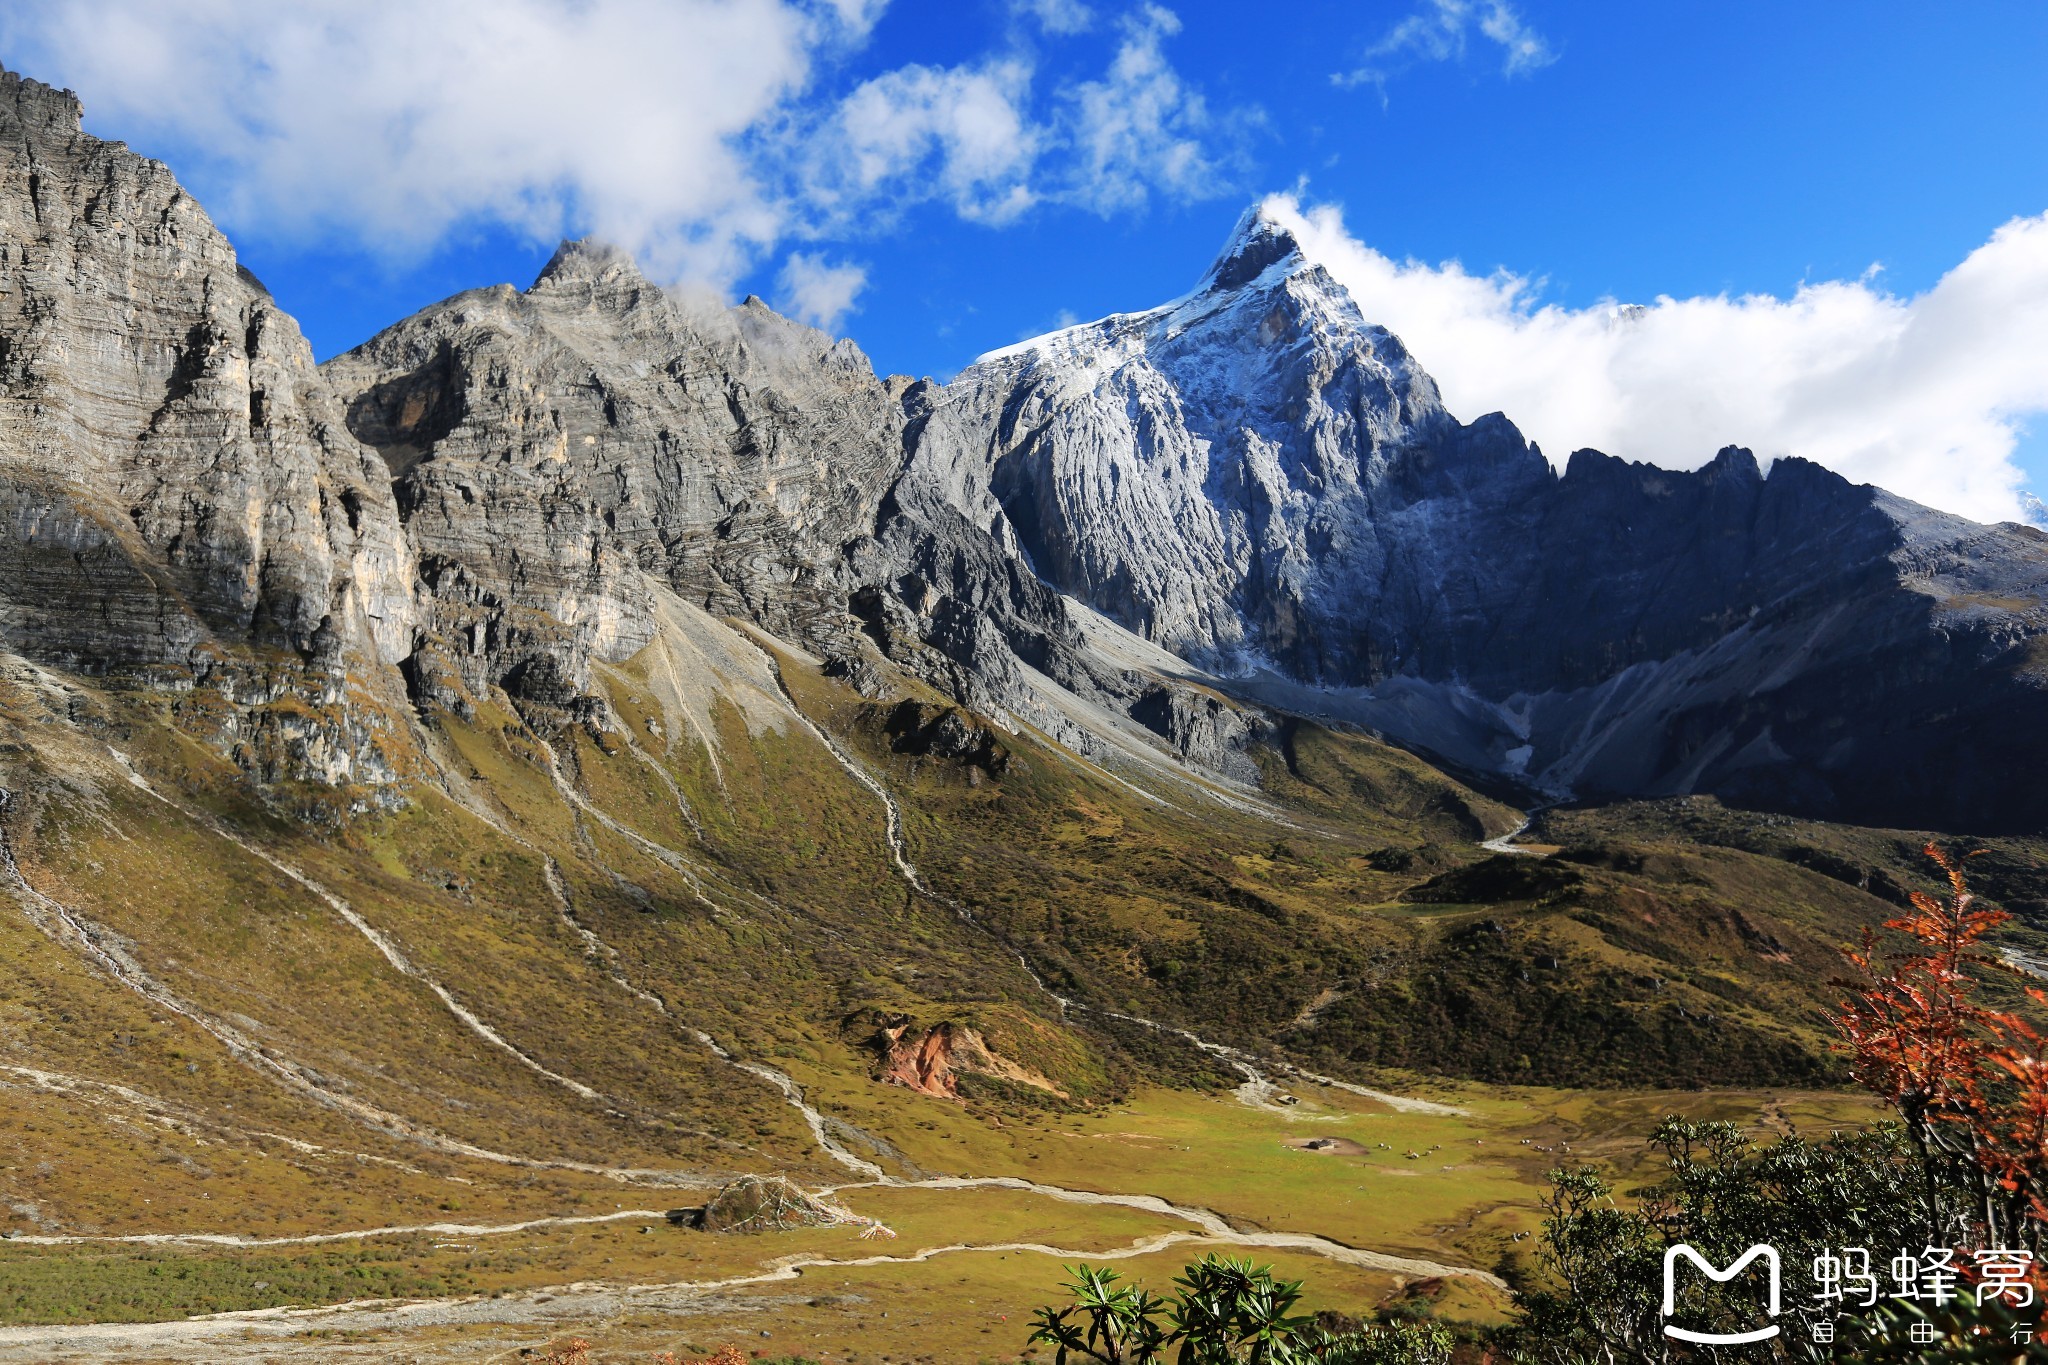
1141 536
556 451
181 499
1262 482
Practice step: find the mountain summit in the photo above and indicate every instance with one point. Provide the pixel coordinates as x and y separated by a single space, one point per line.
1259 242
1266 484
1153 538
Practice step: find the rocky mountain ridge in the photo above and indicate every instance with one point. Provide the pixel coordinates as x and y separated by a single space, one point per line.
1267 485
557 451
183 500
1149 538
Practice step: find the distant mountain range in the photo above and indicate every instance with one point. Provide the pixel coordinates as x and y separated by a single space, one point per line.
1152 538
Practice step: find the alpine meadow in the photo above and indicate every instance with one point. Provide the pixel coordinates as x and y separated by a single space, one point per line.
595 827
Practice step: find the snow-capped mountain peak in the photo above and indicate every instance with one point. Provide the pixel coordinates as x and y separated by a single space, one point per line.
1259 243
1262 257
1199 470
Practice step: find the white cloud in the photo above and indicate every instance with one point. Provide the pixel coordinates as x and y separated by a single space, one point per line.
1523 48
1141 127
1922 395
1058 17
396 122
818 292
1441 32
962 132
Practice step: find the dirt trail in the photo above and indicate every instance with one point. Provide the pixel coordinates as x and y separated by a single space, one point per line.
177 1118
1212 1225
794 1094
690 872
310 1239
1261 1091
210 1338
892 815
661 774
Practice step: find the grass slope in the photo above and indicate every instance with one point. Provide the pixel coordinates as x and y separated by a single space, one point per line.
593 895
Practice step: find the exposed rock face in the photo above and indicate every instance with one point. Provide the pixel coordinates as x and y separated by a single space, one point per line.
1259 480
946 732
1133 535
554 449
558 450
933 1059
181 499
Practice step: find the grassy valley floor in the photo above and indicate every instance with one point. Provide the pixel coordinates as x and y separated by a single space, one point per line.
965 1266
427 1082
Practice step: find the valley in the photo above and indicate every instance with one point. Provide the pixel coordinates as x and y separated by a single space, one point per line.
476 807
534 947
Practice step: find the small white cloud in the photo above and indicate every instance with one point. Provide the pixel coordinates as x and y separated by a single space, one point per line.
1925 396
960 133
1523 47
1057 17
1441 32
819 292
1141 127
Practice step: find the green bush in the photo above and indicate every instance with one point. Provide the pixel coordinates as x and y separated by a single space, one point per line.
1227 1312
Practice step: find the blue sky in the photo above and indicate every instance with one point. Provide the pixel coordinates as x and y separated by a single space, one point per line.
939 179
1670 148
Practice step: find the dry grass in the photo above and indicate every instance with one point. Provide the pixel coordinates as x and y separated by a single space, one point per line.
1261 933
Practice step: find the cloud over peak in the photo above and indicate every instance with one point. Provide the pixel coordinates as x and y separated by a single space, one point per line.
1925 396
819 292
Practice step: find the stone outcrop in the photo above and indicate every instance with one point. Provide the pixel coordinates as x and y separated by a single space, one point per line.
760 1203
932 1059
949 733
